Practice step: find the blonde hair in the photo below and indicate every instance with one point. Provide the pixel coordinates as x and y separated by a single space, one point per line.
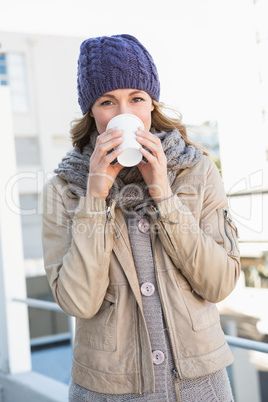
162 122
82 128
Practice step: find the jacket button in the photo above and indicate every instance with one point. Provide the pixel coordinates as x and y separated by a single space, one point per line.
144 225
158 357
147 289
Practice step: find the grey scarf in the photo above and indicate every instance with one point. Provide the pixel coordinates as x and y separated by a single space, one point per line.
129 190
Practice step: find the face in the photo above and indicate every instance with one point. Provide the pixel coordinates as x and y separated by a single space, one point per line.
122 101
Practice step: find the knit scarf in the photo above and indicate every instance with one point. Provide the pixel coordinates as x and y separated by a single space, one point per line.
129 190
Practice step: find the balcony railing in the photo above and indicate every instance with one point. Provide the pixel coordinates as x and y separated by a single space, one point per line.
52 306
239 373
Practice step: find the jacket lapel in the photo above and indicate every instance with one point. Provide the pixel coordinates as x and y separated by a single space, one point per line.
122 250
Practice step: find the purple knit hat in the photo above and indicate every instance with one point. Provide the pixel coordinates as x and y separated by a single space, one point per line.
111 62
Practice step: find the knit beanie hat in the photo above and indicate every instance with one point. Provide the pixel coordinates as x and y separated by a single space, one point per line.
111 62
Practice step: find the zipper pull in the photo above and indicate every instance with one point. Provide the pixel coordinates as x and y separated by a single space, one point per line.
175 372
227 219
156 211
226 216
108 213
115 225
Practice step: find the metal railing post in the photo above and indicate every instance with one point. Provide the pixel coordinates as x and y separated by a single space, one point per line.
72 328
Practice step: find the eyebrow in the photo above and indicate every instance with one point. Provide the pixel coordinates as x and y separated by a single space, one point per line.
113 97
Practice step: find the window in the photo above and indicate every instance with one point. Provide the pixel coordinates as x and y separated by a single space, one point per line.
13 73
3 69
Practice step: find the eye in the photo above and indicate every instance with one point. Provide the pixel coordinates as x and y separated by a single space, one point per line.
106 103
137 99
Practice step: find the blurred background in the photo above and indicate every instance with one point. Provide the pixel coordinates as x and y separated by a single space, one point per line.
212 59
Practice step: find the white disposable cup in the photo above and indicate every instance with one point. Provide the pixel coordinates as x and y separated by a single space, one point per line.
130 123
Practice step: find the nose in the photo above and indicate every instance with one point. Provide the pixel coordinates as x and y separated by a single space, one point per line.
123 108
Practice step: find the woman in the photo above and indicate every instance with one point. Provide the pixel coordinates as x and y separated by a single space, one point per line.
138 255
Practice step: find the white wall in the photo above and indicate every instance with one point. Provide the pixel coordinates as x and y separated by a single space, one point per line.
241 130
51 63
56 95
242 133
51 66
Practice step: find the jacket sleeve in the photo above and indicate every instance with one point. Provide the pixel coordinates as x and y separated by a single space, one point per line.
206 250
76 251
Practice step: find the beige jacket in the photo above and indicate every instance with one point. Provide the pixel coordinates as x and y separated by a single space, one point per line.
92 275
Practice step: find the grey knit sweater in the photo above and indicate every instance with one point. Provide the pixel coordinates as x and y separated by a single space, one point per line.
212 388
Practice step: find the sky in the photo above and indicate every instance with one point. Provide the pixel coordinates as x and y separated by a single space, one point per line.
188 39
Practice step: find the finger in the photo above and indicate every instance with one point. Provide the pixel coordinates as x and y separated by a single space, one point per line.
148 135
154 148
107 159
103 147
109 135
141 164
117 167
150 158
